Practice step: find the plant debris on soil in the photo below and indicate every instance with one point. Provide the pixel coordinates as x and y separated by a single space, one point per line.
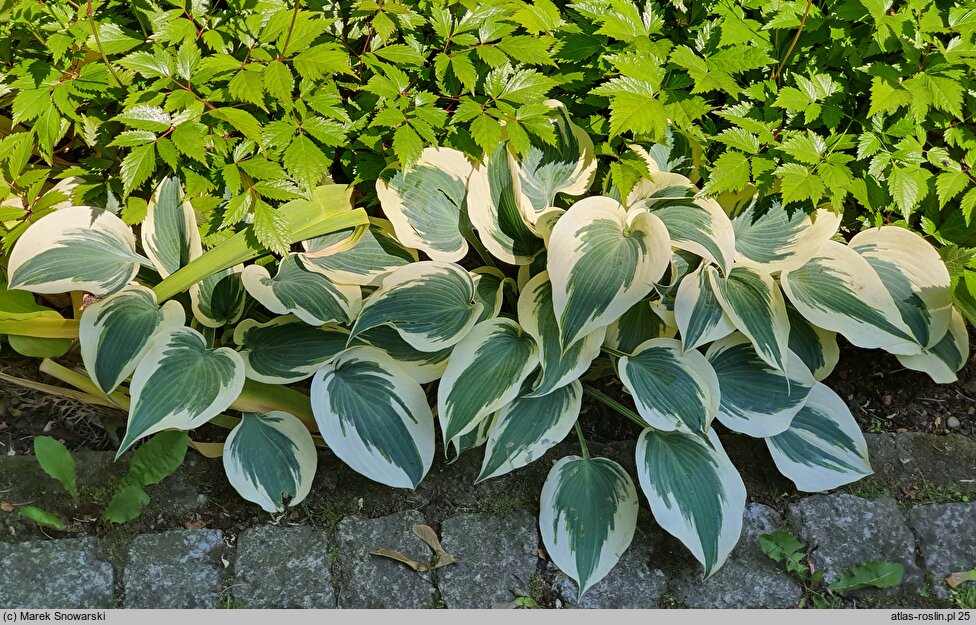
883 396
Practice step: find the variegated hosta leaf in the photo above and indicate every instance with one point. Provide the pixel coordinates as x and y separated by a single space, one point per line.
493 207
489 288
695 493
639 324
602 260
426 201
423 367
682 264
181 384
219 298
780 239
308 295
662 186
169 232
757 399
269 457
838 290
374 417
432 305
472 440
697 311
671 388
567 167
116 332
524 430
560 365
286 349
948 356
587 517
823 447
675 153
754 303
78 248
485 372
816 347
699 226
915 276
376 254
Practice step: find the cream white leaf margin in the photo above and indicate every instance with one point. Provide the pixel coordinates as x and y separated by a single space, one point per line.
181 384
78 248
426 202
116 332
466 394
602 260
374 417
823 447
268 457
695 493
587 517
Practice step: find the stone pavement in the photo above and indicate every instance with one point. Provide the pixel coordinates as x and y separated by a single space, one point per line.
498 555
491 529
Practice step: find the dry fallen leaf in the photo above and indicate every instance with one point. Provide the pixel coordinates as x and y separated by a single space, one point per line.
7 506
955 579
399 557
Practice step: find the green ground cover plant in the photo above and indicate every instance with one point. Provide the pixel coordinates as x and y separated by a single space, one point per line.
300 221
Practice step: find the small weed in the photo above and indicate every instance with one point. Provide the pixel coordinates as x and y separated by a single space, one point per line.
228 602
965 597
937 493
868 489
437 601
785 548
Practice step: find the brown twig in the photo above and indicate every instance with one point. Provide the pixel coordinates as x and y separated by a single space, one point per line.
803 20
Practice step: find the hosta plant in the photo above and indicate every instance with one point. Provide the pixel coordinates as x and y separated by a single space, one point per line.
510 290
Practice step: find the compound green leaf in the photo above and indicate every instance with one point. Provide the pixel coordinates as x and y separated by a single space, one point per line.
695 493
524 430
432 305
308 295
181 384
777 239
169 232
116 332
838 290
587 517
756 307
468 393
757 399
375 255
671 388
374 417
697 311
823 447
78 248
602 260
915 276
286 349
945 358
425 203
270 457
560 365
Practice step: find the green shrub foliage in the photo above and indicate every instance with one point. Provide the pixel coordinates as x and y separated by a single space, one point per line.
696 200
